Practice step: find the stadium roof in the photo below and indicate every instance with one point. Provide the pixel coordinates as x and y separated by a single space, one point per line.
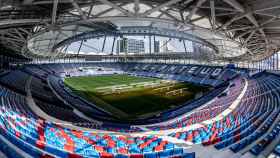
240 29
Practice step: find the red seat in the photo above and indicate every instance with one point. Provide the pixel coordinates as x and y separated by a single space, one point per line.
136 156
73 155
106 155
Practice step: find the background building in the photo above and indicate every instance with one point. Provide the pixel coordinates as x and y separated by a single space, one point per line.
127 45
156 47
165 46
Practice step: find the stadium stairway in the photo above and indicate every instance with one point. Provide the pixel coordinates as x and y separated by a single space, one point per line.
249 125
194 126
40 112
272 148
276 151
30 130
106 131
262 126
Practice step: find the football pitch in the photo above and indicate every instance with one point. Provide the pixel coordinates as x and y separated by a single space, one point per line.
129 97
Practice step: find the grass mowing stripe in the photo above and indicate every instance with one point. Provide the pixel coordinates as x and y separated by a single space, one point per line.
134 101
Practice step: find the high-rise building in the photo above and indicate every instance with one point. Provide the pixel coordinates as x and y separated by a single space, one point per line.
156 46
164 46
126 45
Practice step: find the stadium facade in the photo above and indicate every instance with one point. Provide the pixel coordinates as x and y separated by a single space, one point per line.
139 79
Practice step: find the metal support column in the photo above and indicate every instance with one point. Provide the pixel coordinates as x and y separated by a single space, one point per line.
273 62
112 51
103 46
185 47
150 44
277 61
185 51
80 48
154 43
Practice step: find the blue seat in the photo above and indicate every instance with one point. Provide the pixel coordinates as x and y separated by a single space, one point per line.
169 146
56 152
121 156
166 153
188 155
256 150
148 149
150 155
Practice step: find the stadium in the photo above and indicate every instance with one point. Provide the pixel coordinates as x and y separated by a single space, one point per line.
139 79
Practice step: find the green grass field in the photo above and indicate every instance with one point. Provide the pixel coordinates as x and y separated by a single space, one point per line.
129 96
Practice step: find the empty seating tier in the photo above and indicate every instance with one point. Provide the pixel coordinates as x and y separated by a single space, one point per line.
240 116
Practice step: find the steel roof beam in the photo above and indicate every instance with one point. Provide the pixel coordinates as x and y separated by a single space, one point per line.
124 11
194 10
148 12
213 14
106 11
239 28
249 37
27 2
136 7
54 10
235 5
250 16
76 6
